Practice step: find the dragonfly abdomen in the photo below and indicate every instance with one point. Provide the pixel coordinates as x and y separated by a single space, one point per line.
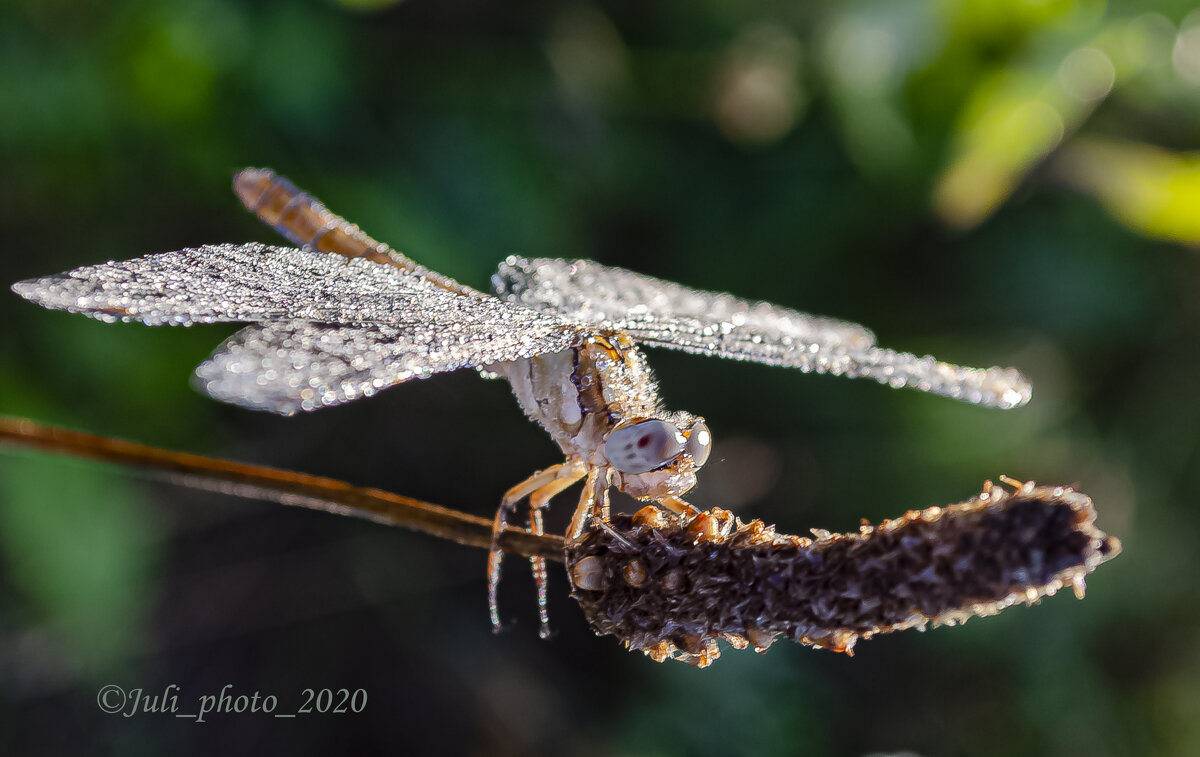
302 219
298 216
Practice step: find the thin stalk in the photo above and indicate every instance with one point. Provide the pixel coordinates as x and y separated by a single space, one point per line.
275 485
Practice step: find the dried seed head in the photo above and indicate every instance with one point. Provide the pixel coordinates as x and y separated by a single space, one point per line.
736 640
673 581
762 640
634 572
745 583
712 525
651 516
588 574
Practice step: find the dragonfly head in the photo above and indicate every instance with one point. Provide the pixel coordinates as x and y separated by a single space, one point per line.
657 457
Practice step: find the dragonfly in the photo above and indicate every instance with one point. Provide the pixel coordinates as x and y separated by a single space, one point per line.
342 316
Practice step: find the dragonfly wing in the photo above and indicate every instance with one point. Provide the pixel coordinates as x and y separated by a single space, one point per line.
669 314
291 366
239 282
666 314
306 354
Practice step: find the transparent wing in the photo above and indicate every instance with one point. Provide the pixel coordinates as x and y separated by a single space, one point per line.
667 314
306 356
291 366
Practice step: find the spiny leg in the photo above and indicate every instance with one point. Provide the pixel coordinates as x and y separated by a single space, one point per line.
538 500
571 468
507 503
594 495
678 506
601 502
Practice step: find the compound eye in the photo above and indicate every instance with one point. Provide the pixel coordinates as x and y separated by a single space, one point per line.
644 446
699 443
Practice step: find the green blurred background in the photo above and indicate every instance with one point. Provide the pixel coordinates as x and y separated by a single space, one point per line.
995 182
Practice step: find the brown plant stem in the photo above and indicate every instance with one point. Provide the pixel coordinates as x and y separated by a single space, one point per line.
275 485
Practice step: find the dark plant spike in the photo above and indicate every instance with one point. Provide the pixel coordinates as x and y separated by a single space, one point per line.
672 587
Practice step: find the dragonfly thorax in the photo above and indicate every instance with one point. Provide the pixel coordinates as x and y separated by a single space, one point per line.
599 402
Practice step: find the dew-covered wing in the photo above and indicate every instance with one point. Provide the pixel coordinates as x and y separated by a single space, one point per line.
239 282
666 314
670 314
290 366
335 328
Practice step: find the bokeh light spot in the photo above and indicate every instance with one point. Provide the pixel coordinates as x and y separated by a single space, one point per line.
1087 74
758 97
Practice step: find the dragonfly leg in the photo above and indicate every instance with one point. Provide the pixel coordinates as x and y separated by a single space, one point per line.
594 497
678 506
538 500
572 469
601 503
